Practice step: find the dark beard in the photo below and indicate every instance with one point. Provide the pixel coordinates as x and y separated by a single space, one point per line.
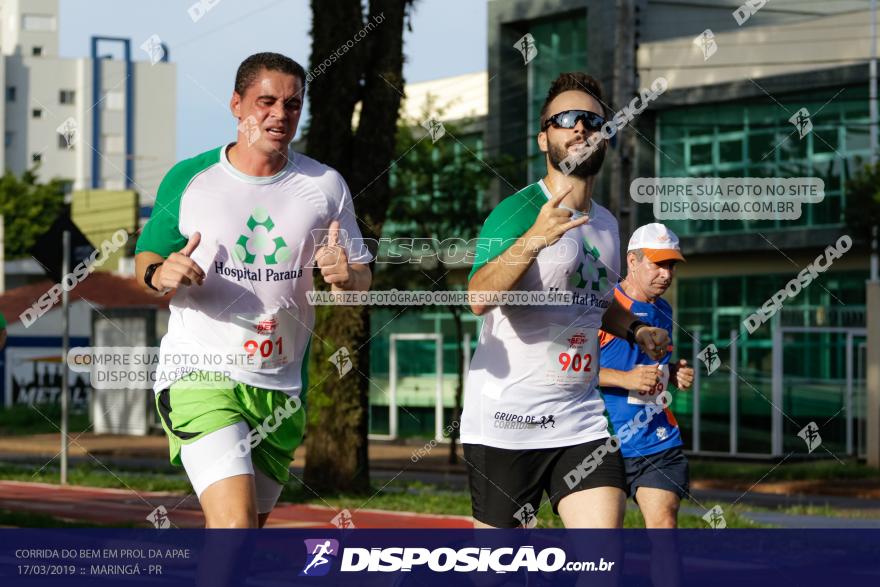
587 168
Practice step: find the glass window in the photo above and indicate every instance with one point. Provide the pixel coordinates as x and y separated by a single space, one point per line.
561 42
37 22
754 138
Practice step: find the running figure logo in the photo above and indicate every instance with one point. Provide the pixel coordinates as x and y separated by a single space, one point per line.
526 46
159 518
260 225
342 359
715 518
810 434
69 130
801 121
526 516
548 420
710 358
706 43
317 561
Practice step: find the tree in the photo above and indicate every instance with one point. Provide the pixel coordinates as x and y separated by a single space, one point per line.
438 177
28 209
369 73
863 202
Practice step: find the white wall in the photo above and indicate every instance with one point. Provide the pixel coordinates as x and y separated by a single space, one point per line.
14 14
38 81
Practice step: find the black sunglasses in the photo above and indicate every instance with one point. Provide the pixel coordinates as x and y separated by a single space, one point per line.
569 119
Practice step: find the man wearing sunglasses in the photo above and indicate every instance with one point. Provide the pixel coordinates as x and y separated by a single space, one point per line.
533 419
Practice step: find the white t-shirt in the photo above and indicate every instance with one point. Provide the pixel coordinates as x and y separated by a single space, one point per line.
250 318
533 379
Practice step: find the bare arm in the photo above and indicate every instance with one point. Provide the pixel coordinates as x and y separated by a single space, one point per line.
360 278
141 261
504 271
641 378
177 270
620 322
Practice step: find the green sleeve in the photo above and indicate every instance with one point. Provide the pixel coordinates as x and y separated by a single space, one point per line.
507 222
161 234
2 321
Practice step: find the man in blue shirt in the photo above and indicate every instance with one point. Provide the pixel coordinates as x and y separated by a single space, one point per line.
634 385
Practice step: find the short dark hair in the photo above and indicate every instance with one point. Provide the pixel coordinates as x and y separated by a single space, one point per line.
253 65
574 80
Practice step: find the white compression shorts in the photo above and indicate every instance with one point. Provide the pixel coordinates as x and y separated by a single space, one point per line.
215 456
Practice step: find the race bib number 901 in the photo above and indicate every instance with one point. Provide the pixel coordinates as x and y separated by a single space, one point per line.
267 339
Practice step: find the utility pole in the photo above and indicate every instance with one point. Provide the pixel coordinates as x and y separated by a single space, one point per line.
65 347
624 86
872 297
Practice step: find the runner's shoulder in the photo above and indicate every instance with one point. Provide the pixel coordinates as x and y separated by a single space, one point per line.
183 171
524 204
329 180
601 215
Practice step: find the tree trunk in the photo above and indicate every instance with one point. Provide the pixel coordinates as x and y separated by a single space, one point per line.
338 405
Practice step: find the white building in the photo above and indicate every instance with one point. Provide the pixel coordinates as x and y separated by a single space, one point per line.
121 121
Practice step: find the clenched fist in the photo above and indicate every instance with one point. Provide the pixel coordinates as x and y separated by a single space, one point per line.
653 341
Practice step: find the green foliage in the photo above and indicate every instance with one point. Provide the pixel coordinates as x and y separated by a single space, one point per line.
28 208
863 202
438 188
22 419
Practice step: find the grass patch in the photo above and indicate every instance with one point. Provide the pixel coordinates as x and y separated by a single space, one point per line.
20 420
830 470
411 497
93 475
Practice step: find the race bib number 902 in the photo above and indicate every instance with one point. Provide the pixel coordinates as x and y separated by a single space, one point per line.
572 358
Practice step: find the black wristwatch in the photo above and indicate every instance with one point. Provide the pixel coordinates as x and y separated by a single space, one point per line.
631 333
148 276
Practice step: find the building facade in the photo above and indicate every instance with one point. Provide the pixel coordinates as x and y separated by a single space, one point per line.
735 76
106 121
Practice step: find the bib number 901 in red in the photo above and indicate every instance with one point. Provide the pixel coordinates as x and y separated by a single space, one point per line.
265 348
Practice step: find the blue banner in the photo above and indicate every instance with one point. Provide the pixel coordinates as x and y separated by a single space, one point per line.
94 557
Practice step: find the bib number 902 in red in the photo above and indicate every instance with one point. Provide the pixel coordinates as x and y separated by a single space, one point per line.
576 362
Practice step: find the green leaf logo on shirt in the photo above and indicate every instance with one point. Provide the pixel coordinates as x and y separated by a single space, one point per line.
260 226
596 272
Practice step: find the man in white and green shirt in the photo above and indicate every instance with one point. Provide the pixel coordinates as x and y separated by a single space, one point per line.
235 234
532 411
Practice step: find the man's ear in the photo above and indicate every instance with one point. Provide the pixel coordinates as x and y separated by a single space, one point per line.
235 105
542 141
631 262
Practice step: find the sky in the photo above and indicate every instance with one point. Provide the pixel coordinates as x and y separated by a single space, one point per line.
448 38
